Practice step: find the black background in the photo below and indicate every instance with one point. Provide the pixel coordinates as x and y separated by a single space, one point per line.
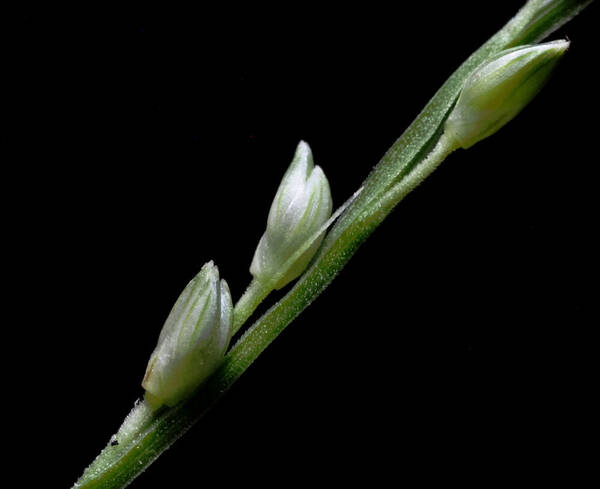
456 343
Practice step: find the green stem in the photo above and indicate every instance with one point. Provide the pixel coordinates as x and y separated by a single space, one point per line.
414 156
416 175
254 295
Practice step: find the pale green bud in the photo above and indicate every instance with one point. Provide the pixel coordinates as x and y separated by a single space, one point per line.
499 89
193 340
300 208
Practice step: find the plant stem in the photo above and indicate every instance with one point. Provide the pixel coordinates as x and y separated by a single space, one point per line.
245 306
420 172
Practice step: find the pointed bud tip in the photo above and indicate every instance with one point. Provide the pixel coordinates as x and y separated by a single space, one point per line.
560 45
303 146
210 269
554 49
303 156
224 286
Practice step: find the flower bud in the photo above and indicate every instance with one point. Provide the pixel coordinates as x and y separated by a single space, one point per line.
499 89
300 208
193 340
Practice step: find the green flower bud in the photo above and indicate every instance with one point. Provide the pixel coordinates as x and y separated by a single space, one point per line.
193 340
300 208
499 89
